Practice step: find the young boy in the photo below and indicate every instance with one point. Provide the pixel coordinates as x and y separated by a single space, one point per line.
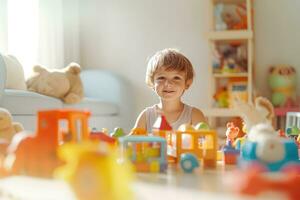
169 74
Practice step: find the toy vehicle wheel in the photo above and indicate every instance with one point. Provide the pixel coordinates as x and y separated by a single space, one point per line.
188 162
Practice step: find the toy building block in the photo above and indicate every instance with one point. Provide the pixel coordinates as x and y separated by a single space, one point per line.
118 132
162 128
138 131
101 136
147 153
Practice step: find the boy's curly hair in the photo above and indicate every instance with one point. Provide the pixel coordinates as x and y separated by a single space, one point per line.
171 59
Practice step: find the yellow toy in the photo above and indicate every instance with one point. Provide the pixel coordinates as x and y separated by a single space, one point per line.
64 84
94 171
8 128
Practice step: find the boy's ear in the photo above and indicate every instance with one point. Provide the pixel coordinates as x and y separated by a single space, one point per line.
188 83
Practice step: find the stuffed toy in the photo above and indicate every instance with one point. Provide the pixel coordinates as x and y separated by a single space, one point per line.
282 81
8 128
64 84
261 112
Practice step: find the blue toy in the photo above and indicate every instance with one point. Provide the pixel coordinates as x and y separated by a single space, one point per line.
188 162
249 155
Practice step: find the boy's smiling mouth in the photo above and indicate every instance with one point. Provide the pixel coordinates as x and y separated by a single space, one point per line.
168 91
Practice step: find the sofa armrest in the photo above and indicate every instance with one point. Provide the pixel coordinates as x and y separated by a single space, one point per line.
110 87
2 76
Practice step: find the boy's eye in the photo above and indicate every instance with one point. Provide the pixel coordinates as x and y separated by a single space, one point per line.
177 78
160 78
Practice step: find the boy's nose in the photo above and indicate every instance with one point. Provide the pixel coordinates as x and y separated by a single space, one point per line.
168 82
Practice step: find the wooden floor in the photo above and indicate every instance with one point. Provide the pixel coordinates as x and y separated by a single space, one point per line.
202 184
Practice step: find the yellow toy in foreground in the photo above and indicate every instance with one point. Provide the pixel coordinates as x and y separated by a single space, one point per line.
8 128
64 84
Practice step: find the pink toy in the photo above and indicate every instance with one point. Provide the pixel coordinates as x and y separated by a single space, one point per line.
231 133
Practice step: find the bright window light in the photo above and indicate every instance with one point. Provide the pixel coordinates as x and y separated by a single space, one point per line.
23 26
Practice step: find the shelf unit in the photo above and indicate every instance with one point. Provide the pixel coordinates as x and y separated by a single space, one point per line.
217 37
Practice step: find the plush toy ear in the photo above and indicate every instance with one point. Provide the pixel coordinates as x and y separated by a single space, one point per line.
39 69
73 68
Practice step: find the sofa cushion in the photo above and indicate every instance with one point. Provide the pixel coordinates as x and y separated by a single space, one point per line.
96 106
22 102
14 73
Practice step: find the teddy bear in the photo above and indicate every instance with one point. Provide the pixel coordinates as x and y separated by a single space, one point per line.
282 81
64 84
8 128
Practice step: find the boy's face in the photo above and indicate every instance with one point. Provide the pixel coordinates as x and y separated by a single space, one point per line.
170 84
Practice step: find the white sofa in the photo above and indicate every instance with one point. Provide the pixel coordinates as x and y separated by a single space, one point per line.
107 96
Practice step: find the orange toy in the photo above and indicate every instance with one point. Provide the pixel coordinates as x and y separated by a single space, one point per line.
36 155
203 144
254 182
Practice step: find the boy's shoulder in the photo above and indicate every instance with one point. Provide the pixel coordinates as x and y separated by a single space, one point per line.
197 115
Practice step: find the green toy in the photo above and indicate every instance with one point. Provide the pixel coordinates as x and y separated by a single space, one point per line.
118 132
282 80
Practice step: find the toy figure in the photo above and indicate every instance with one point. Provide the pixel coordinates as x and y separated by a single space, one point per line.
282 80
231 133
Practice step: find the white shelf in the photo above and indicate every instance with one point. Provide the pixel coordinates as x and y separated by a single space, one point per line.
230 1
230 75
230 35
220 112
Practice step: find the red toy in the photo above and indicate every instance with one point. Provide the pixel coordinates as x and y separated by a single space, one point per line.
254 182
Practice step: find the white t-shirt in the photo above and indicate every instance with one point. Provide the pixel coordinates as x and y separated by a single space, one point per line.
152 114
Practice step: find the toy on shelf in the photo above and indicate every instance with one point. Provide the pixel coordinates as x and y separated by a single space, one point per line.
235 16
147 153
282 81
93 172
221 97
237 89
220 25
229 58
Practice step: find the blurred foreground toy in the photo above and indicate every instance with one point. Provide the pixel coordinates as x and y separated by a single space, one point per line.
35 154
254 182
147 153
95 171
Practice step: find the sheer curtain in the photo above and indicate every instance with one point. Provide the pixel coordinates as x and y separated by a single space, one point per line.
38 32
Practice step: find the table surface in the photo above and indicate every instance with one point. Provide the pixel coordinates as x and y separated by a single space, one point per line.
174 184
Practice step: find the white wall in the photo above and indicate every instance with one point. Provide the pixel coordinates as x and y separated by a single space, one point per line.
277 31
121 34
